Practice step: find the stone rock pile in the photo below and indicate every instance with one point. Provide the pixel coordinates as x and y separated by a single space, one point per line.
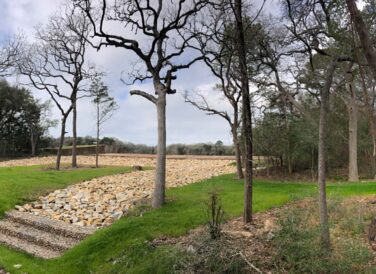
101 201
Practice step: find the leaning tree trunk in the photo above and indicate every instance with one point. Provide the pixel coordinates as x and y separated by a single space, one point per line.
353 134
324 95
364 37
61 142
74 133
238 154
160 174
247 115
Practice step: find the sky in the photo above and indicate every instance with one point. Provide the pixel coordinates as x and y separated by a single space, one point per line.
135 120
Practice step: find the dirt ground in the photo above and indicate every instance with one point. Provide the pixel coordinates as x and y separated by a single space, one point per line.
253 246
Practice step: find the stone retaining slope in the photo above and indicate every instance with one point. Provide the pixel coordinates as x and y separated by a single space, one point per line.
101 201
40 236
58 221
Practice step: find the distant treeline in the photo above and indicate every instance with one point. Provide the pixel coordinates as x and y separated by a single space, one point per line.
114 145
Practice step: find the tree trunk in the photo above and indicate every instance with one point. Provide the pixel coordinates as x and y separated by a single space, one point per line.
238 154
246 108
97 143
160 176
33 142
61 142
353 134
363 33
289 161
370 111
324 95
313 175
74 133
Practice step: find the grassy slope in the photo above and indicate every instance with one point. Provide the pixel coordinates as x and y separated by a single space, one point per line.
123 247
22 184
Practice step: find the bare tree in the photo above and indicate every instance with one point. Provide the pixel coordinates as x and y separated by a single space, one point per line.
105 106
56 64
240 46
155 33
9 54
217 47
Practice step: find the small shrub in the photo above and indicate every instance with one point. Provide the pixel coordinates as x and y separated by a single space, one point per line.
215 215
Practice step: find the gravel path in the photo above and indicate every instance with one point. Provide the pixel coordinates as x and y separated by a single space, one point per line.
101 201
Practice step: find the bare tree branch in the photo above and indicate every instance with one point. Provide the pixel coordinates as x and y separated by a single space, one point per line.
146 95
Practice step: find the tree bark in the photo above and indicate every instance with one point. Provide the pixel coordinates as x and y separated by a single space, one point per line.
61 142
370 112
74 132
33 142
246 108
324 96
353 134
160 175
238 154
363 33
97 143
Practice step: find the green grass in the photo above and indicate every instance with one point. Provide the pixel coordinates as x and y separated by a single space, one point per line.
124 247
19 185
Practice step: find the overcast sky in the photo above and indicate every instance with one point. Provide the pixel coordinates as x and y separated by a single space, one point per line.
135 121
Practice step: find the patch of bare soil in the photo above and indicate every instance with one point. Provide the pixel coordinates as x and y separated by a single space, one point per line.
240 249
255 248
2 271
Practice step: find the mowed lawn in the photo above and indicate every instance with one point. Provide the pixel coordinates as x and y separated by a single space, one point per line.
125 246
19 185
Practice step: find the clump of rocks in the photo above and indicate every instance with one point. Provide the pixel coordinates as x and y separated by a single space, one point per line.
98 202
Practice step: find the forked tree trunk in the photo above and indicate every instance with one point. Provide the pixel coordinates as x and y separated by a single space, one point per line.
61 142
246 108
324 96
74 133
353 134
160 175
